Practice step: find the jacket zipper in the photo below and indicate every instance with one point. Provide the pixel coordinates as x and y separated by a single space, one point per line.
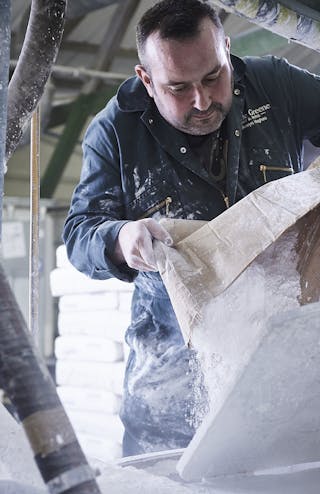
265 168
168 200
165 203
226 200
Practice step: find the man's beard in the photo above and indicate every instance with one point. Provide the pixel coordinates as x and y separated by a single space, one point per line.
220 112
216 114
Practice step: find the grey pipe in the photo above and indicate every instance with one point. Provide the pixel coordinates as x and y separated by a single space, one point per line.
278 17
38 54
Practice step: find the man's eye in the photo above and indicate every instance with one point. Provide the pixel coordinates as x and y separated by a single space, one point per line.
177 89
212 79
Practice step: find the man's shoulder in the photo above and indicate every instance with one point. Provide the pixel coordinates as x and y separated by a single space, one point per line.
131 97
261 68
268 72
267 63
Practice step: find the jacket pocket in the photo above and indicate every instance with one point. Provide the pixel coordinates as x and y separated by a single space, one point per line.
159 200
270 173
164 204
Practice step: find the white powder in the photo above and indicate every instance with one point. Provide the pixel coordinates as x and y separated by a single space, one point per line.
129 480
233 324
234 321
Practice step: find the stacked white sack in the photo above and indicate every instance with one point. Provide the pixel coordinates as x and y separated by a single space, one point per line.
90 351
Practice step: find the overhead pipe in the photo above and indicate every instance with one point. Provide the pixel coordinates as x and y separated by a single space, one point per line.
280 18
23 374
84 73
308 8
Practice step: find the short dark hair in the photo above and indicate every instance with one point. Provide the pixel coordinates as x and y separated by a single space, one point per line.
174 19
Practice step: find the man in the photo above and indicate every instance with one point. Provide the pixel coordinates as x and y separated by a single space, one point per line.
196 130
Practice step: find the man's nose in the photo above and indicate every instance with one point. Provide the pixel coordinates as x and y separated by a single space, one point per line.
201 98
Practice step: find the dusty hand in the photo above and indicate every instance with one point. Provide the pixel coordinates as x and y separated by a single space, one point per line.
134 244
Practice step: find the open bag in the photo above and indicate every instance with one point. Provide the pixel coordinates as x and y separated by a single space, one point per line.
207 257
237 284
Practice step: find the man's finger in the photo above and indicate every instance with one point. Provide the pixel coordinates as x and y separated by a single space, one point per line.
157 231
136 262
146 251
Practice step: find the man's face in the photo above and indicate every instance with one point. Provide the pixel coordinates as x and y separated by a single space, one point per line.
191 80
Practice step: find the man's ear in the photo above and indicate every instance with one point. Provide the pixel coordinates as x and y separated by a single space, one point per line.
228 43
145 78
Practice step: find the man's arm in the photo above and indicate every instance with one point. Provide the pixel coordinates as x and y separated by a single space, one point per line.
100 241
304 94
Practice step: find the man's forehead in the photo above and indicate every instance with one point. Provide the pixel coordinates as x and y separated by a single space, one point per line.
214 70
206 28
172 64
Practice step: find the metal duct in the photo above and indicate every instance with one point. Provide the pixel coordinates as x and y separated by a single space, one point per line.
308 8
77 8
39 52
280 18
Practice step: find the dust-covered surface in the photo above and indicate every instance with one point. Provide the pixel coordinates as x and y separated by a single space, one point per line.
160 477
19 475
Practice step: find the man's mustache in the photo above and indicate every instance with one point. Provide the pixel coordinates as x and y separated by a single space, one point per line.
213 107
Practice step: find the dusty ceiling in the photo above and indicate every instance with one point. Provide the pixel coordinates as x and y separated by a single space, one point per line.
97 52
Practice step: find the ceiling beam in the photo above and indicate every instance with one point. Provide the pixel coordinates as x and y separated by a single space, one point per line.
112 39
88 100
79 46
78 72
80 110
71 25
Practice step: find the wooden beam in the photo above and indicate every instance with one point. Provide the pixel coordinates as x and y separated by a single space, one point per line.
71 25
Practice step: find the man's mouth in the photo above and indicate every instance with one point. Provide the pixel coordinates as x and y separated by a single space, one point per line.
209 113
203 116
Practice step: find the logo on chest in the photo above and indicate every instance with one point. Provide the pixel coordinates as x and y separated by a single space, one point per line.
255 116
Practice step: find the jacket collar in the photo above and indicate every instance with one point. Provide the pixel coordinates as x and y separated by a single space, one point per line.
132 95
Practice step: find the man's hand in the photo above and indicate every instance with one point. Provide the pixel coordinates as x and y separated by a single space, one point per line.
134 244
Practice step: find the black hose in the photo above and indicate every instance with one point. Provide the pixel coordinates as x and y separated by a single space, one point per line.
28 384
39 51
